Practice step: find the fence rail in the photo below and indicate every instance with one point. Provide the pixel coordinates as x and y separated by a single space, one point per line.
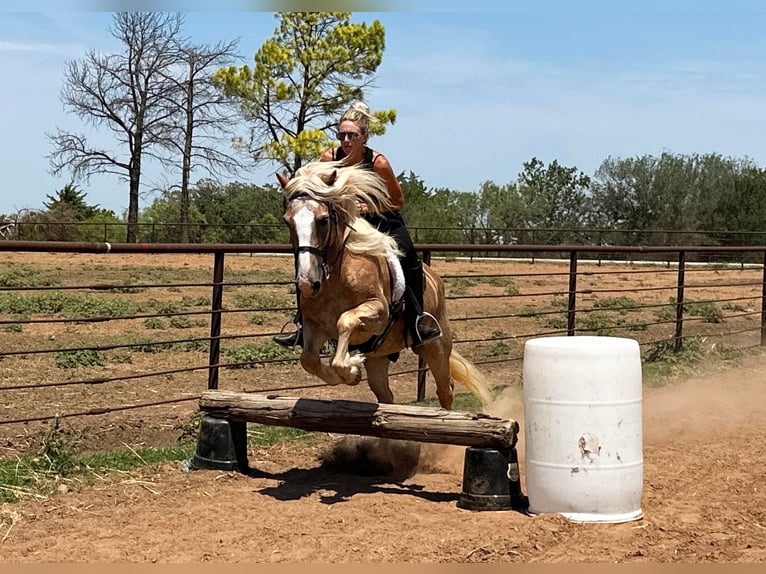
275 233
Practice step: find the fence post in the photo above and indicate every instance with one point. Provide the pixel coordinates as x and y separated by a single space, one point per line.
678 337
763 303
422 367
572 303
215 322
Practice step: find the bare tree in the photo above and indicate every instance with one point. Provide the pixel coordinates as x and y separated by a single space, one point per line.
203 119
126 94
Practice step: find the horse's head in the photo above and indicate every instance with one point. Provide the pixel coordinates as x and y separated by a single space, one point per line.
322 200
311 229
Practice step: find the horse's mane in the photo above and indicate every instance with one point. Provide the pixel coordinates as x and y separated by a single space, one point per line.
345 188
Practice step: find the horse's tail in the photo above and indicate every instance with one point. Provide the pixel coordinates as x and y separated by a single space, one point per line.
466 373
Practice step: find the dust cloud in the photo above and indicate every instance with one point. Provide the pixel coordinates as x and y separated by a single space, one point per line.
711 403
699 406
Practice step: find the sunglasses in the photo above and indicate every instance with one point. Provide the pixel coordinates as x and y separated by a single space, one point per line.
348 135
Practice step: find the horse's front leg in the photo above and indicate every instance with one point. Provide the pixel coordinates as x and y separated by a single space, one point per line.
367 319
313 341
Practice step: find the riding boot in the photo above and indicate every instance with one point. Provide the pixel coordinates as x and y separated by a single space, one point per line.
423 326
293 338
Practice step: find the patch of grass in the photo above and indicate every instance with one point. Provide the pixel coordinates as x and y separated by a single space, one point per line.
131 459
661 361
556 322
260 301
56 463
250 355
154 323
80 358
163 307
22 276
459 285
709 312
500 349
119 357
180 322
619 304
599 324
187 301
560 302
202 345
736 307
508 282
66 305
16 327
529 312
264 435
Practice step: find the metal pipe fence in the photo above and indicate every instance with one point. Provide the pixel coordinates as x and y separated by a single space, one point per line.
89 330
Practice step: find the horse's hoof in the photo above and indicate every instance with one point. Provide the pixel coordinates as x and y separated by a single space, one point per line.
355 378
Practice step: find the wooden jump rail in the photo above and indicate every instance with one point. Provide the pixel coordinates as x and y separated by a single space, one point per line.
491 469
422 424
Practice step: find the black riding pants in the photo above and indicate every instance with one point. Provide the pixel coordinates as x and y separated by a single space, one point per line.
392 223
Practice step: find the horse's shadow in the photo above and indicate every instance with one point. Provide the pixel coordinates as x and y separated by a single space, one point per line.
344 473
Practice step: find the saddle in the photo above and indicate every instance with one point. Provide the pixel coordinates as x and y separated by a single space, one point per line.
395 309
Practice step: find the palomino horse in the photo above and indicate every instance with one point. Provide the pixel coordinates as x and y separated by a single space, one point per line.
351 285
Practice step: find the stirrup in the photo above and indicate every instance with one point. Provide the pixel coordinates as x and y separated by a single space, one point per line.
290 339
424 332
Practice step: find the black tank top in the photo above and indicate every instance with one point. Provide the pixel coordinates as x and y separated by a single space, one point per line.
368 161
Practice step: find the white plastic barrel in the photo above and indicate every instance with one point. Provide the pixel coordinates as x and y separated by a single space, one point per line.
582 430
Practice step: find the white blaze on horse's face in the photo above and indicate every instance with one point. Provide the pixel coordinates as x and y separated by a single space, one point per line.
308 219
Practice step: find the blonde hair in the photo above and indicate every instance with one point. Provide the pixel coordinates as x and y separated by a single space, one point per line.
359 113
345 187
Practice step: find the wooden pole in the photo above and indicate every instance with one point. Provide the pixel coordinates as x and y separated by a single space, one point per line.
422 424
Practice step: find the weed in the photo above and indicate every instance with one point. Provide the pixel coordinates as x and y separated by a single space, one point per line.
510 286
25 277
620 304
16 327
187 301
79 358
258 319
529 312
259 301
709 312
154 323
560 302
500 349
248 356
180 322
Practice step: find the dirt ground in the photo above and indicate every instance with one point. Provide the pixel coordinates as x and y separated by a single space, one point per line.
704 463
704 500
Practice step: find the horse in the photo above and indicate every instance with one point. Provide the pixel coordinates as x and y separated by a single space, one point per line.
351 286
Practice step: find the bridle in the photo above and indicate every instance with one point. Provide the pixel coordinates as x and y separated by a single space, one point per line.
321 252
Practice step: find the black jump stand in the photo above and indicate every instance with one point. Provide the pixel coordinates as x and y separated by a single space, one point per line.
221 445
491 480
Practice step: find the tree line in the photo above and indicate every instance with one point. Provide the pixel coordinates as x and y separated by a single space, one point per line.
696 199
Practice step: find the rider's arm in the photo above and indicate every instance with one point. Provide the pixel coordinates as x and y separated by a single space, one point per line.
384 170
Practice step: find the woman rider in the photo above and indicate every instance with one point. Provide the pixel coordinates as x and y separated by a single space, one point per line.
353 133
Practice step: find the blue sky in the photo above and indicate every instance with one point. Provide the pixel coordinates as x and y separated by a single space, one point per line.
479 87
